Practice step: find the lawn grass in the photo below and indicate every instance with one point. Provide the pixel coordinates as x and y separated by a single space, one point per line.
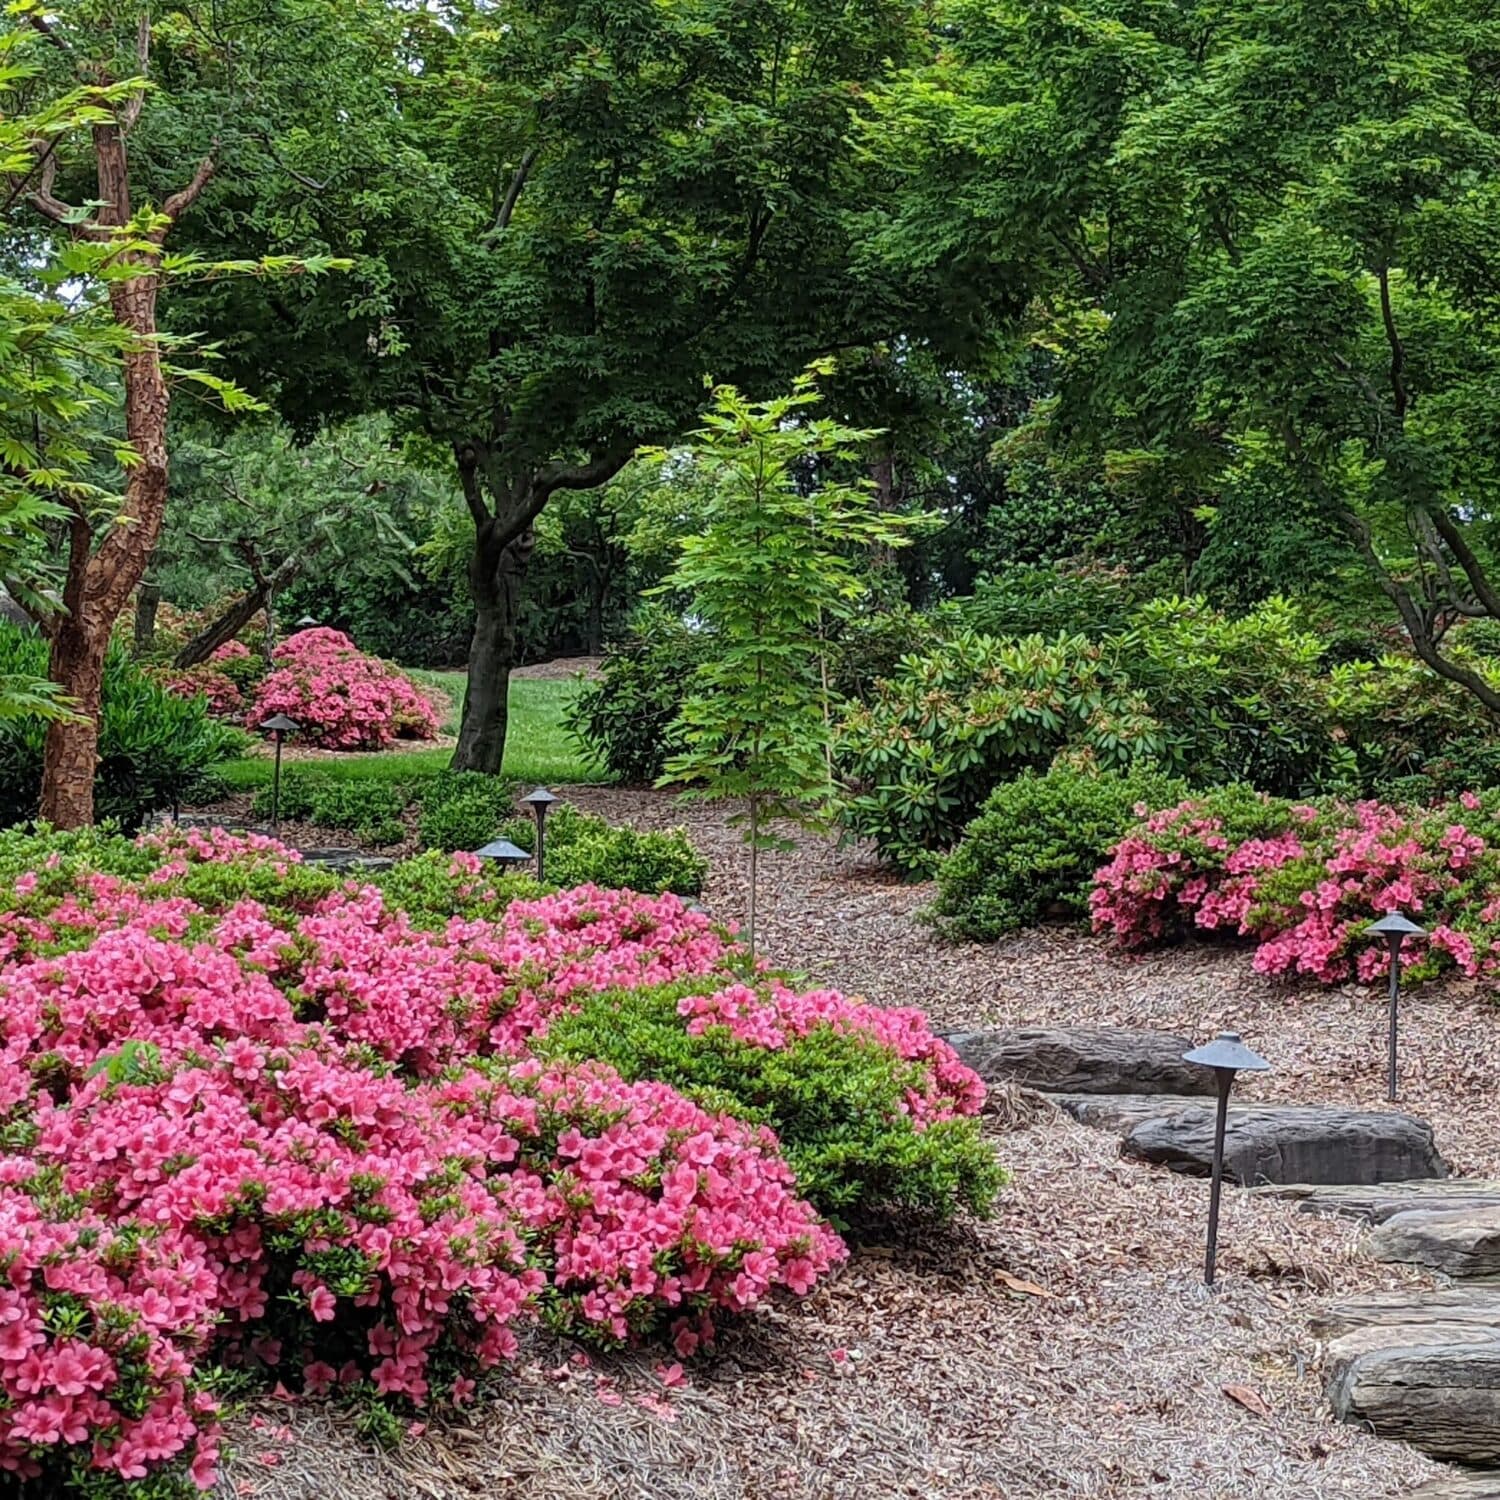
537 748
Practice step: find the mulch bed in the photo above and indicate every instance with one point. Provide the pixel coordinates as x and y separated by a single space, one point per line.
1063 1348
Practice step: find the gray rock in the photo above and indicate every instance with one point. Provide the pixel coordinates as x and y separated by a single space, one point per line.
1458 1242
1292 1144
1084 1060
1379 1202
1121 1112
1462 1484
1473 1303
1436 1387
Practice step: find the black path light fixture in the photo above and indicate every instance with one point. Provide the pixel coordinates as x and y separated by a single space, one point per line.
1394 927
307 623
1226 1055
503 853
278 726
540 802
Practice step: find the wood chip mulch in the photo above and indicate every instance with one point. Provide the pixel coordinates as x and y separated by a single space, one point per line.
1063 1348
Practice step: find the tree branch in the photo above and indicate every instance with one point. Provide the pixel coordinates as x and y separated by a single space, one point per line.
184 199
44 26
132 109
513 192
1458 545
1398 349
466 455
1418 629
46 203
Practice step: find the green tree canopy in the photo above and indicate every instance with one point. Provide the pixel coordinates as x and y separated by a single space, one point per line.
1266 237
565 215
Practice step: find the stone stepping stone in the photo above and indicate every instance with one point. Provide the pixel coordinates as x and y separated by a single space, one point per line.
1122 1112
1474 1303
1457 1242
1379 1202
1473 1484
1287 1143
1084 1060
1436 1387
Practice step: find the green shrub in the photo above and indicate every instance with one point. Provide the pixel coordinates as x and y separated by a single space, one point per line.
835 1100
584 850
371 810
624 716
463 809
1032 851
430 891
1025 598
154 748
921 756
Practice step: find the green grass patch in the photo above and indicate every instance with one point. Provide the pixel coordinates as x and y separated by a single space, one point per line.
538 747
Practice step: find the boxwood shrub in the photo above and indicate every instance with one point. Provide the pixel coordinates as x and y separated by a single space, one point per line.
1032 851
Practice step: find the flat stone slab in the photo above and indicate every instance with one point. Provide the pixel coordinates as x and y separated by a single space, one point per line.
1122 1112
1463 1484
1457 1242
1285 1144
1379 1202
1476 1304
1436 1387
1084 1060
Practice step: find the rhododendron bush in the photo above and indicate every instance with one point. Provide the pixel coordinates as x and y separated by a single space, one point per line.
1305 880
251 1115
341 698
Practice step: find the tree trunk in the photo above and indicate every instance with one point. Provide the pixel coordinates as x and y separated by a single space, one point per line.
101 580
71 748
147 600
239 614
594 621
496 585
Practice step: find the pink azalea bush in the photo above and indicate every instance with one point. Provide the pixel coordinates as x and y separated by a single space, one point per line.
253 1115
342 698
225 700
1305 880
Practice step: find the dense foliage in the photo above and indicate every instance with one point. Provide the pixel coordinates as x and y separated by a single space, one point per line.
1260 698
923 753
155 748
257 1116
585 850
1032 852
625 715
1305 880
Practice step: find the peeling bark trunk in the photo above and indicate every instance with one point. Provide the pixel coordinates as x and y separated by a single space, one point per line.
101 580
71 748
112 572
496 583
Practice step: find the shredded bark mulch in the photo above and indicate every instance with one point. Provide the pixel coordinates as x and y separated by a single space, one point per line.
1064 1347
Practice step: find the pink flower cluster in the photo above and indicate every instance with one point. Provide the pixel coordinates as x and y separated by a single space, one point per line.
225 701
342 698
315 1141
1309 879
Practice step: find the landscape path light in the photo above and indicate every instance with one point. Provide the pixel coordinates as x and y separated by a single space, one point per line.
306 623
540 802
278 726
1226 1055
503 853
1394 927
